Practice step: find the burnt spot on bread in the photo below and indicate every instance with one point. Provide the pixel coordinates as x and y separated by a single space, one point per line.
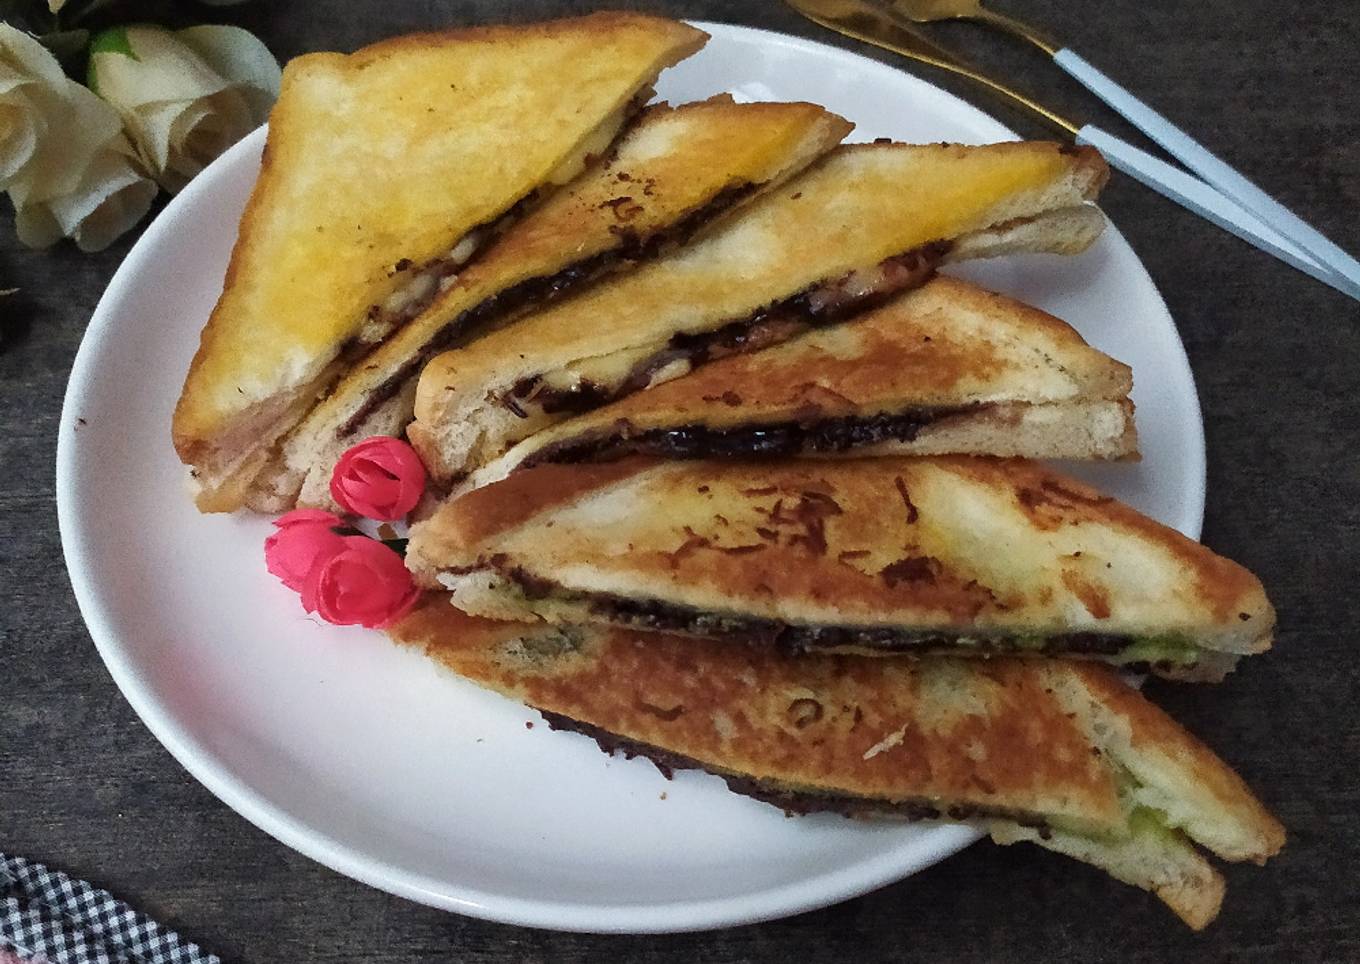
1093 597
666 715
931 582
802 519
805 711
912 513
694 542
911 569
623 207
1050 504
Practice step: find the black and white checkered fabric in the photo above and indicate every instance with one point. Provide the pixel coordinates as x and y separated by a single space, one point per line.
46 915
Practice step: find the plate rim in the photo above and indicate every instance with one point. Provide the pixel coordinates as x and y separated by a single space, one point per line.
805 894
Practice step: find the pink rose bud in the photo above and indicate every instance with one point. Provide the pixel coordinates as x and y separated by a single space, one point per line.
380 478
304 538
365 584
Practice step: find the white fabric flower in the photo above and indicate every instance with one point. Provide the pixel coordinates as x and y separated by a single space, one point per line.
186 96
63 158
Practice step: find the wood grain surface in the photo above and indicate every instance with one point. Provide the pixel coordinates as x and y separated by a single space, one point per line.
1272 87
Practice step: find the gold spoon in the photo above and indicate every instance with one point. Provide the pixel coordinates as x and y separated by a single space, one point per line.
930 11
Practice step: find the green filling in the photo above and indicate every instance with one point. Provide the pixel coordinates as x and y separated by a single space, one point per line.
1165 649
1161 649
1142 822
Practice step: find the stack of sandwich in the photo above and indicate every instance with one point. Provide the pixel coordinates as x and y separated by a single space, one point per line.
731 478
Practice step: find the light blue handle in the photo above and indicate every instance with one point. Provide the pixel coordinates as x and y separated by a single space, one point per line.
1197 158
1192 193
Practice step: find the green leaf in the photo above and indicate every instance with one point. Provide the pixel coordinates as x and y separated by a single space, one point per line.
397 545
112 41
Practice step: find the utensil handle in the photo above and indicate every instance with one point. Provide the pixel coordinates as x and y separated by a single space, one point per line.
1197 196
1221 175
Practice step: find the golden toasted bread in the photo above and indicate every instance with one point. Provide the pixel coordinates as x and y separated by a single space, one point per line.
938 554
868 221
383 162
669 176
945 369
1059 753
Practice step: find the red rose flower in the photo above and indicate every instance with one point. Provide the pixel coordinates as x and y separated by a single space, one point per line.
365 584
305 537
380 478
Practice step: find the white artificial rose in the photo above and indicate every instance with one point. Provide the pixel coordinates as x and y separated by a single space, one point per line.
63 158
185 96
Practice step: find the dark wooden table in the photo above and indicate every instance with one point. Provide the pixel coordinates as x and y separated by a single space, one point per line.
1270 85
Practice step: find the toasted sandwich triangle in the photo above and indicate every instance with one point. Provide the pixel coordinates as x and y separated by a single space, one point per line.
946 369
1059 753
889 556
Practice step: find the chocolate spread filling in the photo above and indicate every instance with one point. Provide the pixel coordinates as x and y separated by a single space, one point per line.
794 639
821 304
791 801
631 246
771 439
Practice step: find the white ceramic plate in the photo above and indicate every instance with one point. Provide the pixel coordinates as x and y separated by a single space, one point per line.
367 758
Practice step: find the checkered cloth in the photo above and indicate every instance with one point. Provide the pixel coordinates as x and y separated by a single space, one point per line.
47 917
